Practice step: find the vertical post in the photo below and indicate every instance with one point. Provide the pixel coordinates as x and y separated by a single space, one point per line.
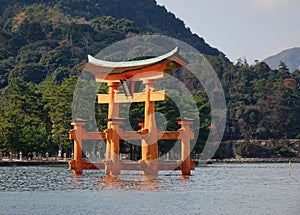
150 145
115 147
185 146
112 142
113 108
78 146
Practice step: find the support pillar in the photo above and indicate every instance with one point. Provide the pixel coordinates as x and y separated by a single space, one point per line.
150 160
113 108
78 146
112 142
185 146
115 147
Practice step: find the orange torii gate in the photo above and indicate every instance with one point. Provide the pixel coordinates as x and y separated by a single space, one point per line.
113 73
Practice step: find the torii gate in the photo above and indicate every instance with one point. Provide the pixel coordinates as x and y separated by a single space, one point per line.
113 73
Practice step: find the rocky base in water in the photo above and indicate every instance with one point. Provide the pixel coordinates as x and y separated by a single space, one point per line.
259 149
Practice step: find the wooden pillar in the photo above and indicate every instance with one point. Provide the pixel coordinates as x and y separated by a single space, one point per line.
113 108
149 144
78 146
112 140
185 146
115 147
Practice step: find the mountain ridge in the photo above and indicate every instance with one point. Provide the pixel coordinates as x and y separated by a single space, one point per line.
291 57
148 16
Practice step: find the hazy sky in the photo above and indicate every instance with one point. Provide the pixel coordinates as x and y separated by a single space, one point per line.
254 29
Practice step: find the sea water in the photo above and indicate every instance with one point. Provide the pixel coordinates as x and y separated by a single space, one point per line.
212 189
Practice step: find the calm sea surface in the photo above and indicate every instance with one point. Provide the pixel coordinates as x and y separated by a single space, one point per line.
212 189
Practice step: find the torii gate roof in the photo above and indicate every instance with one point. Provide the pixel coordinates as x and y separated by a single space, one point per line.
108 70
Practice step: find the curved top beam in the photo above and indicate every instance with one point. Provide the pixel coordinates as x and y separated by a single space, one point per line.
128 64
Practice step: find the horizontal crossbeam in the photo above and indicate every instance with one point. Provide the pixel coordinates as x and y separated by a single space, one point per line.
131 135
133 76
137 97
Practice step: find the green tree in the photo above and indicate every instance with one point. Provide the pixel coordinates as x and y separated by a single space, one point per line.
58 104
21 115
32 31
32 72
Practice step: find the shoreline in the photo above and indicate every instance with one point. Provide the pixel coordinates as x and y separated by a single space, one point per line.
249 160
54 163
34 163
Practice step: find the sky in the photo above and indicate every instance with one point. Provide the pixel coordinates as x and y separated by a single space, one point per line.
251 29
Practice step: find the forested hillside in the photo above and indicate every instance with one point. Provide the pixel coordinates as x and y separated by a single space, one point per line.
43 44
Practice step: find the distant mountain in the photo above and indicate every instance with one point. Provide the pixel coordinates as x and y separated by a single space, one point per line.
50 38
291 57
